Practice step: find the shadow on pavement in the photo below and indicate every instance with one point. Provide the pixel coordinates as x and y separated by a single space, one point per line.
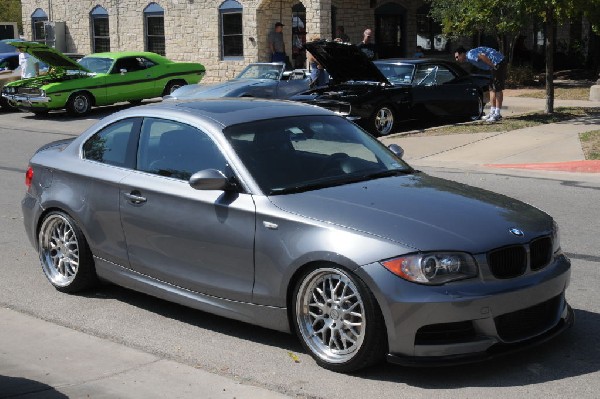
198 318
574 353
11 387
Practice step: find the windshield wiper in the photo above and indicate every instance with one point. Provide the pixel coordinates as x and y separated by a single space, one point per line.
338 181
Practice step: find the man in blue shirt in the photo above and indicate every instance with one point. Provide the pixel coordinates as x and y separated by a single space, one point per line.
488 59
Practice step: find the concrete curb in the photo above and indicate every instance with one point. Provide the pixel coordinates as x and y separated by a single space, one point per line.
573 166
39 359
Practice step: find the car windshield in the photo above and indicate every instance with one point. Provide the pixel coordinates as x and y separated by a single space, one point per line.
397 74
96 64
262 71
295 154
7 48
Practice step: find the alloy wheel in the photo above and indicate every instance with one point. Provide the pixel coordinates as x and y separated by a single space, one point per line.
331 315
59 250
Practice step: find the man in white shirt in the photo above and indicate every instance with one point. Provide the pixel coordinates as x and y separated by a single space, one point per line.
30 66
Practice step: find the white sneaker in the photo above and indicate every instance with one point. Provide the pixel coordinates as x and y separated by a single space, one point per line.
494 118
486 117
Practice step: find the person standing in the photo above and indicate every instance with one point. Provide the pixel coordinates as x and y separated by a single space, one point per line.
367 45
488 59
276 44
341 34
318 75
30 66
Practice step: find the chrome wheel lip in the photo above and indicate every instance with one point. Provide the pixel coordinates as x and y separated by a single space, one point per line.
384 121
59 250
339 318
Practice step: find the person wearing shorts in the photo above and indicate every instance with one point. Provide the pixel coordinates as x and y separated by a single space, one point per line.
488 59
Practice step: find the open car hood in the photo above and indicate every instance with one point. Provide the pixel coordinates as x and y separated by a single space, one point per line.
49 55
345 62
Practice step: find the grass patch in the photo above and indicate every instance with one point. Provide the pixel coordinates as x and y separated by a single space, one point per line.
512 122
590 143
560 93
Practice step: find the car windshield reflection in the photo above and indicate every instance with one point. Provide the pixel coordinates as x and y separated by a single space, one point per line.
96 64
296 154
264 71
397 74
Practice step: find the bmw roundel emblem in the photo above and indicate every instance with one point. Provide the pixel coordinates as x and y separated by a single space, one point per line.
517 232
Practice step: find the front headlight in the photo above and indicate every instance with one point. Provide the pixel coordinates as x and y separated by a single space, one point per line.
433 268
42 93
555 238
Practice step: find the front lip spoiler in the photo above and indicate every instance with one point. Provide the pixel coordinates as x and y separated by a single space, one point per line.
495 351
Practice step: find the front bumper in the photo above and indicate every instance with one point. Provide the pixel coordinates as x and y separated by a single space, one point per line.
472 319
25 102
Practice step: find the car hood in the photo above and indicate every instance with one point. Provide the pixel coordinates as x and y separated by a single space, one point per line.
49 55
345 62
234 88
422 212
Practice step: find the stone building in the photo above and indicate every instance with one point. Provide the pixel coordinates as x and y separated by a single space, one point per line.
225 35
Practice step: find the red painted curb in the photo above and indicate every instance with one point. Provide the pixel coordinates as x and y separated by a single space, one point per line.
571 166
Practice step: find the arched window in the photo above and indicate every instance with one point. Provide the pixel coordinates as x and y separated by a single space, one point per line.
100 31
154 27
232 43
38 18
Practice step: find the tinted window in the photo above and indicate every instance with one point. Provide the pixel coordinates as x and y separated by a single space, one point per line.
113 145
301 153
174 149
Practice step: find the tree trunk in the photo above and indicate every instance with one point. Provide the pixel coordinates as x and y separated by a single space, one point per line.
549 61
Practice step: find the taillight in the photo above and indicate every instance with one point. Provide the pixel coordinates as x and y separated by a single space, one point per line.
28 176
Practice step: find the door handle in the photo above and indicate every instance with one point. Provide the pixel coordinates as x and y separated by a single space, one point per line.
135 197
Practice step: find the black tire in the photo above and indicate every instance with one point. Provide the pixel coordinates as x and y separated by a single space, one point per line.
79 104
382 120
6 105
65 255
338 320
480 106
172 86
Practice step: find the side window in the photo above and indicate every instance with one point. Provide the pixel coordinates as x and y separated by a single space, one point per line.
113 145
173 149
146 63
130 64
425 75
444 75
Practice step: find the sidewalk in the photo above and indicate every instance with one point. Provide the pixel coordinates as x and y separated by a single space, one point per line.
554 147
39 359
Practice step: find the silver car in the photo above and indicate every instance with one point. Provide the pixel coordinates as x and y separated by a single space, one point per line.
259 79
288 216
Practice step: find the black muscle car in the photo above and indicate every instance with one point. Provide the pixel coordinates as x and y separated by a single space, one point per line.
378 94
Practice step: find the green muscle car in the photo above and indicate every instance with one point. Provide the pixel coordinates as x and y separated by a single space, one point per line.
97 79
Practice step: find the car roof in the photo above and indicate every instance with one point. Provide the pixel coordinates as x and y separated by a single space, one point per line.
121 54
229 111
411 61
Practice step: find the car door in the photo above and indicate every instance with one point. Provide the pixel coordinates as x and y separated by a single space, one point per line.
439 91
130 79
199 240
108 157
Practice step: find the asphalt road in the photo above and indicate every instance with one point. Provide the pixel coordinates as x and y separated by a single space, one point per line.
568 367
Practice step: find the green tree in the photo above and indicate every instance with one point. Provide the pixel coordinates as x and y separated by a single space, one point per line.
509 18
10 11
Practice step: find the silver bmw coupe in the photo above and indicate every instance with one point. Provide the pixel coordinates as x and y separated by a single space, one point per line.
289 216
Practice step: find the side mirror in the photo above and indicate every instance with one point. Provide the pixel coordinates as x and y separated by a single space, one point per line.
397 150
210 179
